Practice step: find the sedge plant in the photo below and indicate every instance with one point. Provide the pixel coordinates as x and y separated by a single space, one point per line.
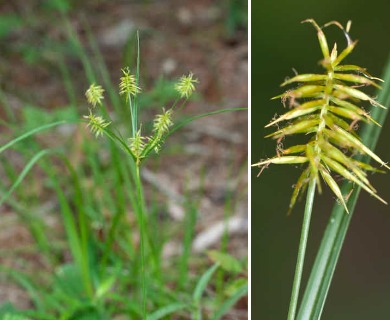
137 146
326 108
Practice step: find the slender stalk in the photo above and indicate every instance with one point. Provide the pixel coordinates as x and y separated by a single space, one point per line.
133 116
302 249
142 236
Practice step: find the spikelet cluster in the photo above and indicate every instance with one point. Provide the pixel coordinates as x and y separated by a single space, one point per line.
326 108
94 94
186 85
96 124
162 122
138 146
128 84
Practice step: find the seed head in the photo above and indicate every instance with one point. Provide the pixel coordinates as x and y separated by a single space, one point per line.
96 124
186 85
137 144
128 84
325 107
162 122
94 94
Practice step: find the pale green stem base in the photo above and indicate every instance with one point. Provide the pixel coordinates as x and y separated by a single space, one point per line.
142 236
302 249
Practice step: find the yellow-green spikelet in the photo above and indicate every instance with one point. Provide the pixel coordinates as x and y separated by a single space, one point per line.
327 114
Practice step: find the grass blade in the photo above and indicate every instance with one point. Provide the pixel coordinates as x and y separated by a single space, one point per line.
240 292
165 311
189 120
202 283
322 273
24 172
29 133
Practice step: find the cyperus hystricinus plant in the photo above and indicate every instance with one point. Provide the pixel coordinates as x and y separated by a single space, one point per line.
326 107
137 146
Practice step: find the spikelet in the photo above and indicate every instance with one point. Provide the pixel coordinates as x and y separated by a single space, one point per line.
162 122
96 124
94 95
186 85
128 84
325 107
137 144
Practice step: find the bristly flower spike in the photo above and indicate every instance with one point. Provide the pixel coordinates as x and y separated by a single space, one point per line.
94 95
96 124
186 85
325 107
137 144
162 122
128 84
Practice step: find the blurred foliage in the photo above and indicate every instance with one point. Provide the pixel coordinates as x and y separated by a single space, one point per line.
8 24
237 16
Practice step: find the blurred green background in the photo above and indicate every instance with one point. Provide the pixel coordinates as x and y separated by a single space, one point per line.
361 286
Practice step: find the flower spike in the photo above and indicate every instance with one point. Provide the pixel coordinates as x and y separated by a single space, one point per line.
94 95
128 84
324 107
186 85
96 124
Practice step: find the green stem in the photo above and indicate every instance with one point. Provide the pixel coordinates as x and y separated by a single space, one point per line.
302 249
133 116
142 236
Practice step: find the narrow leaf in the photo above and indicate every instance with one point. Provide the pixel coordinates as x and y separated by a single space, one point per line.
203 282
241 291
167 310
24 172
30 133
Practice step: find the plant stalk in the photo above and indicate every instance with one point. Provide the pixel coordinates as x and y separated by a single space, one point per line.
141 217
302 249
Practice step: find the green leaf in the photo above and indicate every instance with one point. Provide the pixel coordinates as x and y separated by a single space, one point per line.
8 23
234 286
68 279
13 316
29 133
189 120
226 261
8 311
24 172
202 283
240 292
62 6
165 311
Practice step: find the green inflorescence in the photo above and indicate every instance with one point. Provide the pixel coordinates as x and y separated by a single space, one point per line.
327 108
